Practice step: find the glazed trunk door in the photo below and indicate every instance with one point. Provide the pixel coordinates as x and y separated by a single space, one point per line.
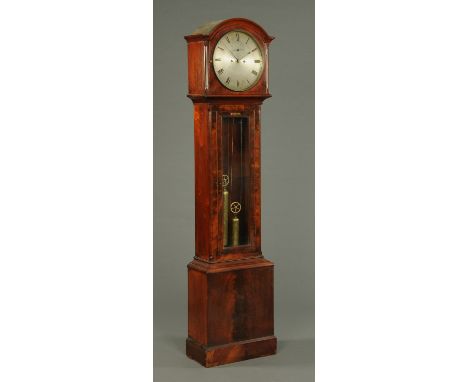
236 140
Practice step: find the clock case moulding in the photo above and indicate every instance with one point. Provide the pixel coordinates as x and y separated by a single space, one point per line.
230 291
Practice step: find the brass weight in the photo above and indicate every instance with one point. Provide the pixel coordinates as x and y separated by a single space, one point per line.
235 209
235 231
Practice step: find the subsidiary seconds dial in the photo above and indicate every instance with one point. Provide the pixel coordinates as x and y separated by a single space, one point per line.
238 61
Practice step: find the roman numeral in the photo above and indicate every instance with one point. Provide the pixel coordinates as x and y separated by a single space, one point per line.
227 38
237 83
237 36
253 50
247 41
228 80
220 48
217 59
254 72
257 61
220 71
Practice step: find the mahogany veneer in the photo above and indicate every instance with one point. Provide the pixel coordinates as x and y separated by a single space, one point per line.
230 311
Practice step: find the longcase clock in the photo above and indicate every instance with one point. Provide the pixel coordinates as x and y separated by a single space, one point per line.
230 283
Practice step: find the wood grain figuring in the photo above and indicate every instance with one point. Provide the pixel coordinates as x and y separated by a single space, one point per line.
227 266
197 307
202 182
240 305
222 308
256 191
228 304
196 72
214 175
234 352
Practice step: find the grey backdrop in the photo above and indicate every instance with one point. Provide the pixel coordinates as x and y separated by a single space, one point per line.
287 186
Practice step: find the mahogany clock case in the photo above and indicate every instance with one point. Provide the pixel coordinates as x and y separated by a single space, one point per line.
230 283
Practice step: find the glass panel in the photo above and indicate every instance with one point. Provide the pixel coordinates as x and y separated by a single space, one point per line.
236 180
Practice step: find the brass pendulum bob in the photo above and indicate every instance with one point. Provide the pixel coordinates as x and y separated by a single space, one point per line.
235 209
225 210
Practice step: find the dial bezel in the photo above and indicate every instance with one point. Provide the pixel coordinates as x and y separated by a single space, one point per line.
262 53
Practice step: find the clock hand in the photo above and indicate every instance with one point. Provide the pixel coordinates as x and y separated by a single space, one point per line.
232 54
245 55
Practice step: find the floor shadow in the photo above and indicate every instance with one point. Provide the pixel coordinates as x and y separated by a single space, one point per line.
177 343
169 351
298 351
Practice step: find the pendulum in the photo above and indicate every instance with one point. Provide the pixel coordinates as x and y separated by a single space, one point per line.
225 183
235 209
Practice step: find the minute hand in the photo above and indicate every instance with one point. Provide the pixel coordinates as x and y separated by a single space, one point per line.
245 55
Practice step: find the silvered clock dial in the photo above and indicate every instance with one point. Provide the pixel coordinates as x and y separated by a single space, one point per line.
238 60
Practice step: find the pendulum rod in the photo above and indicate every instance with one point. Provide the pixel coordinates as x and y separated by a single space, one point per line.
236 205
241 163
235 223
231 137
225 210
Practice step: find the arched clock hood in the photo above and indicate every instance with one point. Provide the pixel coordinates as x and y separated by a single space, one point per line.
202 81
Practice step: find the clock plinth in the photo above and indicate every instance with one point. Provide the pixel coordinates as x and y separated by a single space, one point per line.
230 311
230 283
